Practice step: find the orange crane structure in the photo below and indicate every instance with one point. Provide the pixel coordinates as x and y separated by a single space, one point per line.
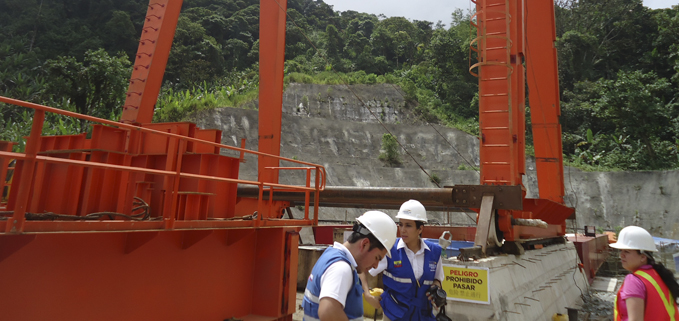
143 221
514 46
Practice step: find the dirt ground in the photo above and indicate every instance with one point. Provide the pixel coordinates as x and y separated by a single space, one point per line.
299 312
598 306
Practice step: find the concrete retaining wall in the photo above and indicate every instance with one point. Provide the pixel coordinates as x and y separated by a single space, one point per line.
337 132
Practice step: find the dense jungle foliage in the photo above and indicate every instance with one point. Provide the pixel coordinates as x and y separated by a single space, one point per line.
618 64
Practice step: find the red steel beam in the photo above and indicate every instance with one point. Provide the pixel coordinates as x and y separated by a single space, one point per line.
149 64
543 81
16 225
271 62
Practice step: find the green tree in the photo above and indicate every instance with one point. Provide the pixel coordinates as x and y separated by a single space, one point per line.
597 38
633 115
95 86
195 56
335 43
122 34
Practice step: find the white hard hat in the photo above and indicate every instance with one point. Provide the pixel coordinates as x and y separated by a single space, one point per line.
381 226
412 210
635 238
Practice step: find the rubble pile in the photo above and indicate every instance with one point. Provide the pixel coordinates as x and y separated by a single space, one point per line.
597 306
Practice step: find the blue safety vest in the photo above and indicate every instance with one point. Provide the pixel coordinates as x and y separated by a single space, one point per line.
353 306
404 297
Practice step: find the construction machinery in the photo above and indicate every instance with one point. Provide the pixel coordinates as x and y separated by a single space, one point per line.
144 221
141 221
514 46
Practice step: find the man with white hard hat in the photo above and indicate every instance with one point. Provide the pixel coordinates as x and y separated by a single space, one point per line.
413 269
333 290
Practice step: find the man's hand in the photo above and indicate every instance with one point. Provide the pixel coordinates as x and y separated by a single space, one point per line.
431 300
373 300
436 283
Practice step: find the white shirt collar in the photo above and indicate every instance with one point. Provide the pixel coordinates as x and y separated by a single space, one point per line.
423 246
344 249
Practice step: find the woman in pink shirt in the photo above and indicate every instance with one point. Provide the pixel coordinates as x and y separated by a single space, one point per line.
648 293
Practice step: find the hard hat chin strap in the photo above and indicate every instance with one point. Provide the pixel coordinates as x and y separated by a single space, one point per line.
360 229
649 256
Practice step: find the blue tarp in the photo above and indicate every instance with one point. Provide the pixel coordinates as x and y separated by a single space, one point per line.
664 243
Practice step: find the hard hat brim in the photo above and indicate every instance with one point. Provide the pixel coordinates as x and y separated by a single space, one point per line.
409 217
627 247
379 238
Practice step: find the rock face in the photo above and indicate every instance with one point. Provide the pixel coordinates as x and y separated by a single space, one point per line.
329 125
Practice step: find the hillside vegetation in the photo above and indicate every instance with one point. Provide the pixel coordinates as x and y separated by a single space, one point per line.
618 65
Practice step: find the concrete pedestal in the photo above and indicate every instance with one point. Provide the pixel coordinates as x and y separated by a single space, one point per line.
532 286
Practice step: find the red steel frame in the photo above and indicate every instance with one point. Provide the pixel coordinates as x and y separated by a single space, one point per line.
196 259
215 263
509 33
204 254
151 59
4 171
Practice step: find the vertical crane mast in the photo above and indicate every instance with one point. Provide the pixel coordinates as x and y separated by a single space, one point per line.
514 36
500 30
543 81
271 61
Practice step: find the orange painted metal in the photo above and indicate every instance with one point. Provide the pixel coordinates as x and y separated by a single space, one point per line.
16 222
189 249
531 232
271 60
162 276
501 102
149 65
5 173
592 251
507 32
135 129
197 256
543 80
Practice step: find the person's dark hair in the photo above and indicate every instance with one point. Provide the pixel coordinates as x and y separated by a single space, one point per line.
419 224
360 232
666 275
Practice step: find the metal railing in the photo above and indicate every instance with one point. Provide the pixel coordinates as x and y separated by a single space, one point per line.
17 223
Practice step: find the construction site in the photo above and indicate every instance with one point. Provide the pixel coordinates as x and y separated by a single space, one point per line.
223 218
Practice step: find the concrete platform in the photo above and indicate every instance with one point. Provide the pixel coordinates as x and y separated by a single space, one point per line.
603 284
533 286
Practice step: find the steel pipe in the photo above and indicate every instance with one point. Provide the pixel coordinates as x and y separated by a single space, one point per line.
434 199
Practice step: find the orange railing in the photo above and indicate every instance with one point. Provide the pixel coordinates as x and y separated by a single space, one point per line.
169 219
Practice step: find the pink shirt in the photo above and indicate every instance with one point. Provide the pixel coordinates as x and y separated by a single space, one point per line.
632 287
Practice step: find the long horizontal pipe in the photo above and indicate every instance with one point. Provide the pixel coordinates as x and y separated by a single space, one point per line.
433 199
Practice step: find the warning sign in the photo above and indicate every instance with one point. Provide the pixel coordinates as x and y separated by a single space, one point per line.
466 284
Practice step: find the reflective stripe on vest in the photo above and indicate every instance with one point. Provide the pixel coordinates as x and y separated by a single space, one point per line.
400 280
311 297
616 314
669 306
404 297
